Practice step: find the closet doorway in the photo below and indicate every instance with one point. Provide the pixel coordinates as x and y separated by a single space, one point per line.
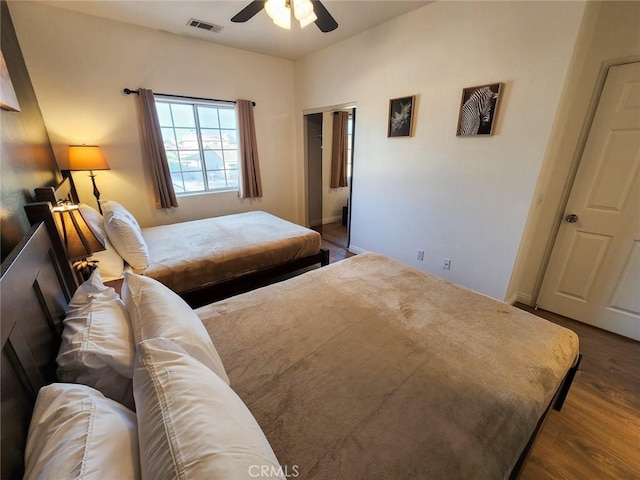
329 209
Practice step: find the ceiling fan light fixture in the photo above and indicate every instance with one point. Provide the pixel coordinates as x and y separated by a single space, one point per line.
279 12
308 20
303 11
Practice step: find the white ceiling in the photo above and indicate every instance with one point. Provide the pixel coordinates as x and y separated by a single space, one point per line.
259 34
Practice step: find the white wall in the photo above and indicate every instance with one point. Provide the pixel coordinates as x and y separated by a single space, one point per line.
79 65
610 34
462 198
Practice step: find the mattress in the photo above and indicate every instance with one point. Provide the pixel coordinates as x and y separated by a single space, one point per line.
189 255
370 369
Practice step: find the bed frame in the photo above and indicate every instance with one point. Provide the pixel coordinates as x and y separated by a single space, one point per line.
34 299
197 297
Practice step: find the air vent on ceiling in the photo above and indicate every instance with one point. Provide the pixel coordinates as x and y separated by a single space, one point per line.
204 25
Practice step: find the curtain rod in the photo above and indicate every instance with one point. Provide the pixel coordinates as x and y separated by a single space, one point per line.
128 91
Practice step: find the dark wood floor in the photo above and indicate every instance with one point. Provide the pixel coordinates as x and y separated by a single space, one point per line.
335 234
597 433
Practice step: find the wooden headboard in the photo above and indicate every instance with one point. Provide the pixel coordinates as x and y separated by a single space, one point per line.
34 299
40 212
64 191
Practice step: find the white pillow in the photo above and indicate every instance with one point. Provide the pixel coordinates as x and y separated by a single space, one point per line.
94 220
97 346
110 262
77 433
125 235
156 311
191 424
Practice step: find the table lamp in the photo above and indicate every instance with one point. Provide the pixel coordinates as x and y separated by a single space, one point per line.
88 157
77 236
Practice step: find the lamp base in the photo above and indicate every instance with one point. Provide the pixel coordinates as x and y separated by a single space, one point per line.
96 192
85 268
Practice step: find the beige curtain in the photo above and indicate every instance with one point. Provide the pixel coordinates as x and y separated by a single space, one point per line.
250 183
339 150
154 148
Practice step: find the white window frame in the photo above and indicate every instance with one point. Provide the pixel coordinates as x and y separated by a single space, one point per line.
195 103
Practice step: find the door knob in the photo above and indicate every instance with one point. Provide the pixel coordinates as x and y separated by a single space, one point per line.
572 218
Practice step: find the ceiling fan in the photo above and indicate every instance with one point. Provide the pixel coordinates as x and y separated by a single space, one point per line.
319 14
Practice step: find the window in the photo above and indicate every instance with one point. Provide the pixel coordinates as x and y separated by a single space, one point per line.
201 142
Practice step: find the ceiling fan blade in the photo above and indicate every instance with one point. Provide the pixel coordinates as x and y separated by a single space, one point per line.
325 21
249 11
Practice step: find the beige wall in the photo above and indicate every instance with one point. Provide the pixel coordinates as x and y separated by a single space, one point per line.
462 198
468 199
79 65
610 34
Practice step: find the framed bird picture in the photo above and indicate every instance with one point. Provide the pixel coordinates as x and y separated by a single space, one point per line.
401 116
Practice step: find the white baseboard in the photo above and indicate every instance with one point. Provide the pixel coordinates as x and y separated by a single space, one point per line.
520 297
356 250
337 218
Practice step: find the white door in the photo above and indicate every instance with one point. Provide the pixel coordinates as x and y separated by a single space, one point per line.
594 271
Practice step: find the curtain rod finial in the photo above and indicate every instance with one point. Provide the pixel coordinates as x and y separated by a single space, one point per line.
128 91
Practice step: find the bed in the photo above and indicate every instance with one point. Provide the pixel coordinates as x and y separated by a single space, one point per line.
205 260
391 374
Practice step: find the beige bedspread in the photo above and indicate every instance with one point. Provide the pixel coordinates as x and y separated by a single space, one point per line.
368 369
189 255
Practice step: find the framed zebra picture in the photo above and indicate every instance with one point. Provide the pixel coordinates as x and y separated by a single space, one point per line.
401 116
478 109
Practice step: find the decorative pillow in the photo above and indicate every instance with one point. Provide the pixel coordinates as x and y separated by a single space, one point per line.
77 433
94 220
191 424
125 235
109 260
97 346
157 311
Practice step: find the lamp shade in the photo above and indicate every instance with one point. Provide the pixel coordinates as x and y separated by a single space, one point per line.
86 157
78 238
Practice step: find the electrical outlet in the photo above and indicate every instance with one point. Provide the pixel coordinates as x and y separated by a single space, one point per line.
446 264
420 255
